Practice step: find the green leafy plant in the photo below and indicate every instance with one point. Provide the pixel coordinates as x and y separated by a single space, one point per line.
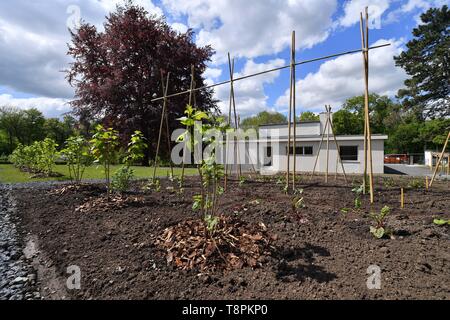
441 222
77 156
242 181
39 157
379 229
358 192
416 184
345 211
388 182
210 172
122 178
299 201
104 147
135 152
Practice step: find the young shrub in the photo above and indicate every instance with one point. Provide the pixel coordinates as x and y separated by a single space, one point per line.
77 156
47 155
122 178
210 172
135 152
104 146
379 230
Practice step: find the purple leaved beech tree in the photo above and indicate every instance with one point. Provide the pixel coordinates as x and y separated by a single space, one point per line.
116 73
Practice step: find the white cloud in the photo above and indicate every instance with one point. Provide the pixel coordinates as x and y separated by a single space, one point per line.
342 78
180 27
249 93
51 108
253 28
212 74
416 5
353 8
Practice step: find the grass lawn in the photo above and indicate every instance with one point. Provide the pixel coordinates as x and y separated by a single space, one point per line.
10 174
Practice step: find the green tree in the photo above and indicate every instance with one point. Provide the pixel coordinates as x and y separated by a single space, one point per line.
263 118
308 116
33 126
11 124
104 147
427 62
384 115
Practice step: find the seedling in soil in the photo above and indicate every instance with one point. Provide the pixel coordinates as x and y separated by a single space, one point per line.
299 200
441 222
242 181
358 192
154 185
345 210
379 230
416 184
388 182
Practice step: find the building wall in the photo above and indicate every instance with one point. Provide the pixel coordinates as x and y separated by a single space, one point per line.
306 163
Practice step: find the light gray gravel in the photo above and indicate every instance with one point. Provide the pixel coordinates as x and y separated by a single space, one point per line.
17 276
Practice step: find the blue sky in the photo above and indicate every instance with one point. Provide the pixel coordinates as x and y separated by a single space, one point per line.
33 36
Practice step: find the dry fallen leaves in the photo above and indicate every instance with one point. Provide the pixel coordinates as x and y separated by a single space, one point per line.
234 244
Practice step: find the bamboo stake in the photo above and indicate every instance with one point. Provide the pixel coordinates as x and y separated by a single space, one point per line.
161 124
190 103
328 144
426 183
269 71
363 45
288 167
320 148
236 124
166 116
440 159
293 109
402 198
366 103
338 150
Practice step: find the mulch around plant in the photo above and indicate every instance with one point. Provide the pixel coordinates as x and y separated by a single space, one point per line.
131 247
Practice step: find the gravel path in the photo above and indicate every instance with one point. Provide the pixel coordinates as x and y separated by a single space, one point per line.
17 276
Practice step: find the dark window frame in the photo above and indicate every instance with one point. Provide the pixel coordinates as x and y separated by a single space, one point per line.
349 154
301 150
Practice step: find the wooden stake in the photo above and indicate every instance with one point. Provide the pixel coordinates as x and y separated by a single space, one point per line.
426 183
293 109
166 116
190 103
288 167
402 198
338 150
440 159
320 147
162 123
365 42
328 144
236 123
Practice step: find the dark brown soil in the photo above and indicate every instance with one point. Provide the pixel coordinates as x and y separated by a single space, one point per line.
320 252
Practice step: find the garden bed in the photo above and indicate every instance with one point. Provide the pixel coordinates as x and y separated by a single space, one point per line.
319 252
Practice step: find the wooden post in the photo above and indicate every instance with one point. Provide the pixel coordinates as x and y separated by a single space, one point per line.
190 103
328 144
320 147
166 116
426 183
365 48
288 167
236 123
161 123
402 198
338 150
440 159
293 109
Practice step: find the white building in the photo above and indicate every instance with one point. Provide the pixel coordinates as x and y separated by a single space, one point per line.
272 147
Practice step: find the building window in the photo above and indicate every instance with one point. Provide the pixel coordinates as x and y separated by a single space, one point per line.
268 157
349 153
301 151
